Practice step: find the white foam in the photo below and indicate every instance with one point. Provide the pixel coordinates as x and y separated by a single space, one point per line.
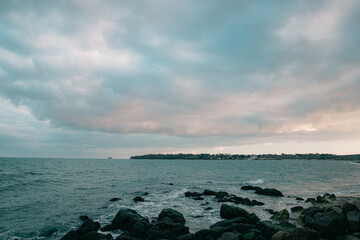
257 181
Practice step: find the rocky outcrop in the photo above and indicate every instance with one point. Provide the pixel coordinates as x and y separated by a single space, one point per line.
264 191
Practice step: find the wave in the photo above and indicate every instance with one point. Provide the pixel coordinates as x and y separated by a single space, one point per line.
257 181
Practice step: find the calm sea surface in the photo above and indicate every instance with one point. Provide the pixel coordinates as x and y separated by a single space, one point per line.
43 198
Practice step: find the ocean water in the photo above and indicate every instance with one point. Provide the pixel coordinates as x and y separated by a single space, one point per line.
43 198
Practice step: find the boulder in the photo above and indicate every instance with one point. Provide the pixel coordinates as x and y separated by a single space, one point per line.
95 236
268 229
299 199
353 221
281 235
310 200
209 234
304 234
129 220
115 199
189 236
330 196
321 200
229 212
138 199
171 215
71 235
283 215
248 187
166 230
230 236
347 207
88 226
297 209
269 192
192 194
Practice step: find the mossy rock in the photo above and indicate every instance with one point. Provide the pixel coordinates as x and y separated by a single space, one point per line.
229 212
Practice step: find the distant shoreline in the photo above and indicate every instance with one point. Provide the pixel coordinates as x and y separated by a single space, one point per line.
205 156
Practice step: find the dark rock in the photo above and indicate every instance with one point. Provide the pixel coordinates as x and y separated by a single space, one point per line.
129 220
253 219
297 209
227 223
249 236
209 193
198 216
138 199
192 194
347 237
330 196
171 215
272 212
248 187
299 199
329 224
115 199
108 228
321 200
88 226
166 230
188 236
228 212
230 236
283 215
124 236
145 194
269 192
281 235
84 217
347 207
208 208
171 184
353 221
198 198
72 235
209 234
94 236
268 229
304 234
310 200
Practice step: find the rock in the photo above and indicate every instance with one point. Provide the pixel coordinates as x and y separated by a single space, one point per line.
330 196
71 235
192 194
209 193
188 236
108 228
253 219
208 208
88 226
138 199
249 236
297 209
272 212
94 236
268 229
229 222
248 187
304 234
129 220
269 192
209 234
166 230
229 212
115 199
329 224
198 198
281 235
283 215
230 236
171 184
84 217
347 237
124 236
310 200
347 207
171 215
353 221
299 199
321 200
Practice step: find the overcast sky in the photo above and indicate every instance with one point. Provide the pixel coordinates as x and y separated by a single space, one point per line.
118 78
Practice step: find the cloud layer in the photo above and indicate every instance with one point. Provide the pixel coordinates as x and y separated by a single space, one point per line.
183 75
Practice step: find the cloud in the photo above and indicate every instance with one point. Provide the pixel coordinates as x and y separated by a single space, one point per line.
181 71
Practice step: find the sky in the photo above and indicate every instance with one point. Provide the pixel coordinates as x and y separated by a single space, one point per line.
88 78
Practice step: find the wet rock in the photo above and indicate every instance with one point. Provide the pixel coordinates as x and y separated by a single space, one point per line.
281 235
272 212
95 236
283 215
253 219
347 207
353 221
249 236
330 196
304 234
329 224
166 230
209 234
108 228
229 212
297 209
88 226
269 192
299 199
138 199
115 199
248 187
129 220
208 208
71 235
171 184
230 236
347 237
188 236
192 194
84 217
321 200
198 198
268 229
310 200
229 222
209 193
47 232
171 215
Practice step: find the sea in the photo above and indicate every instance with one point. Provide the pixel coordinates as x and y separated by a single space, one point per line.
43 198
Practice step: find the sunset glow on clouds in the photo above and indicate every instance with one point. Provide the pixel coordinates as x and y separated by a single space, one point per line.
98 78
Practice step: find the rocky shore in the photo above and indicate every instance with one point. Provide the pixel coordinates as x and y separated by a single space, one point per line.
329 217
